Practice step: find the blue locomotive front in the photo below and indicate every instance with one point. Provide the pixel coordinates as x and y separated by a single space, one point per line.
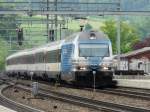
87 57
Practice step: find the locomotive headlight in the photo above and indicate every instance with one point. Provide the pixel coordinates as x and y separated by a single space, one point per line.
82 68
105 66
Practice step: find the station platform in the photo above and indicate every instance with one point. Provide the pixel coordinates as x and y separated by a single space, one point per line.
133 81
5 109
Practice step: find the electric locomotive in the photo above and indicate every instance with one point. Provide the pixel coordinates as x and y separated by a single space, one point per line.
87 59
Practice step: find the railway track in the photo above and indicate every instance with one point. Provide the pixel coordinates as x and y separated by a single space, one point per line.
128 93
118 91
94 104
12 104
90 103
16 106
122 92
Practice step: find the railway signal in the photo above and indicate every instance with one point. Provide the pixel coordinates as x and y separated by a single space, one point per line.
81 27
20 35
51 35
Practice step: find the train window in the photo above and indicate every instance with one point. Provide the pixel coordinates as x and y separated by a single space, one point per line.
53 56
8 62
91 50
30 59
17 60
13 61
39 57
23 60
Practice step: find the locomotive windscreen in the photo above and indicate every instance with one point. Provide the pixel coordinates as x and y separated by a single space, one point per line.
93 50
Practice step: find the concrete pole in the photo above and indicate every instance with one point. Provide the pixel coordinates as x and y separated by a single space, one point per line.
47 24
118 41
56 23
118 35
60 32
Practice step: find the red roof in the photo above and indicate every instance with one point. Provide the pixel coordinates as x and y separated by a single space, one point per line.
136 52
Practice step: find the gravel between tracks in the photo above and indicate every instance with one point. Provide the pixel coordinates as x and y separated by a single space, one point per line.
108 97
137 102
46 104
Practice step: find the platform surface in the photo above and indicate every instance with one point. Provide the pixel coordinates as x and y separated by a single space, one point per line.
5 109
135 83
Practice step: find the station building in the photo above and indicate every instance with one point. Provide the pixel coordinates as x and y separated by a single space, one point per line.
136 60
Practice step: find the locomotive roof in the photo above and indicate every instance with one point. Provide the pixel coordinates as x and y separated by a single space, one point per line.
86 35
97 34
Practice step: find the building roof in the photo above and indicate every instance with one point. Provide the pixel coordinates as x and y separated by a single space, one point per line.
136 52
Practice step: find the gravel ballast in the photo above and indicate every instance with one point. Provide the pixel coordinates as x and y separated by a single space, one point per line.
46 104
137 102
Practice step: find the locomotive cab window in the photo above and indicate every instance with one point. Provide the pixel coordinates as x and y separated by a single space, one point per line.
93 50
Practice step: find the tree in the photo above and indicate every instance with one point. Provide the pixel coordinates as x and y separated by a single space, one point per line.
3 53
142 44
87 27
7 22
128 35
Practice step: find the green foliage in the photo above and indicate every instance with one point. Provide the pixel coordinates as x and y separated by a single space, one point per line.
143 25
3 53
128 35
7 29
88 27
7 22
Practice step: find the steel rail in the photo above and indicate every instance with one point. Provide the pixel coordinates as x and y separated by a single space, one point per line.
128 93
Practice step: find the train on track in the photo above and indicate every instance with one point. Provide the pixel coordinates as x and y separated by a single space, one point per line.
84 58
